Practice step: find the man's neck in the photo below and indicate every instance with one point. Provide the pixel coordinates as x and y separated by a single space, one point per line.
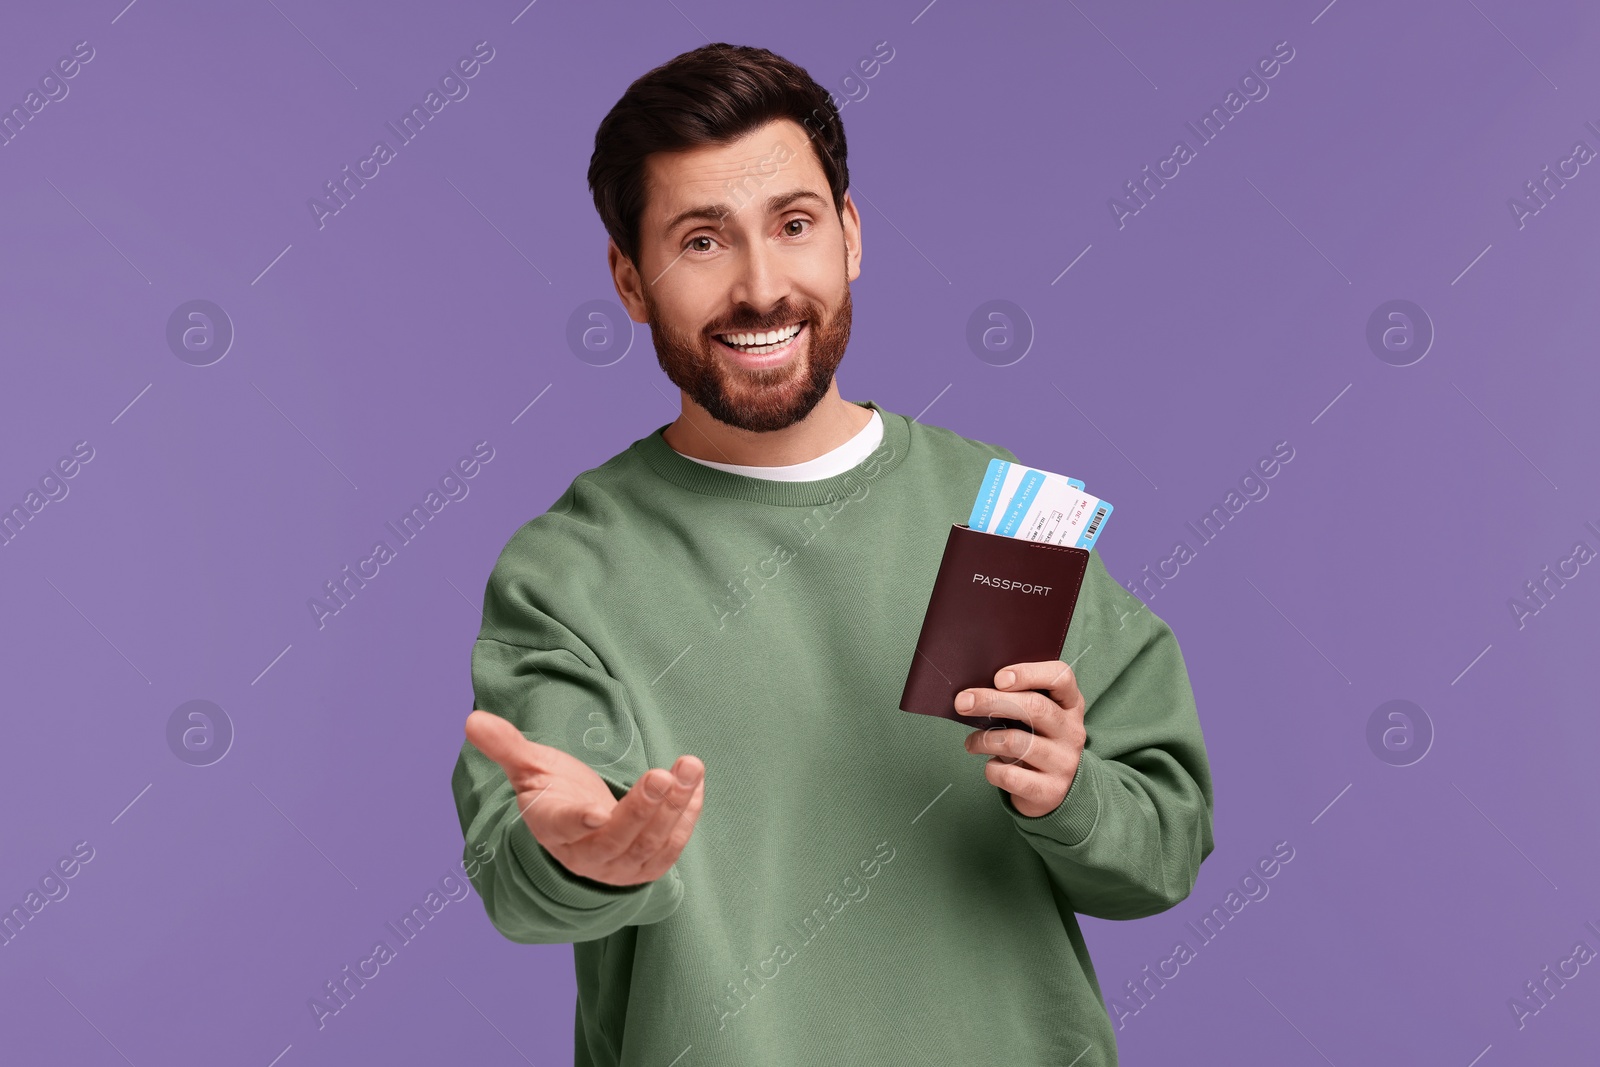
830 424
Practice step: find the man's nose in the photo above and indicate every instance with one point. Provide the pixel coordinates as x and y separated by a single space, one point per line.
761 282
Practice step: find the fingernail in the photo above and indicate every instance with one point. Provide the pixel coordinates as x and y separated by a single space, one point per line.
964 701
592 819
1007 678
684 774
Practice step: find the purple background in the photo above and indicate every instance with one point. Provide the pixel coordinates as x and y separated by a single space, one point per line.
1229 314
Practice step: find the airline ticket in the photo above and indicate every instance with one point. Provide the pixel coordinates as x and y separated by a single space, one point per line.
1036 505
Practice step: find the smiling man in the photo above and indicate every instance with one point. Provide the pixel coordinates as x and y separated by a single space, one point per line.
686 751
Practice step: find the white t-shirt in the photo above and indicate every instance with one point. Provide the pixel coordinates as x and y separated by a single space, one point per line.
836 461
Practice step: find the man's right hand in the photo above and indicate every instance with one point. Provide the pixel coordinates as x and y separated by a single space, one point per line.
571 811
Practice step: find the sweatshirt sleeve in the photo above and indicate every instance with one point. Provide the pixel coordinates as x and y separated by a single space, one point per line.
1128 839
529 668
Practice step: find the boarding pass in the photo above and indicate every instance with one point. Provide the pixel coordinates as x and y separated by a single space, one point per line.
1035 505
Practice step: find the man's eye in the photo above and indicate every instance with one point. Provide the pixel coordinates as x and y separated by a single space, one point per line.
805 224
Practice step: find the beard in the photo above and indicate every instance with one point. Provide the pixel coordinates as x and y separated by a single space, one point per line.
760 400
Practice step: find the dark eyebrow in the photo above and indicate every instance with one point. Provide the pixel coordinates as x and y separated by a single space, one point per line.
716 212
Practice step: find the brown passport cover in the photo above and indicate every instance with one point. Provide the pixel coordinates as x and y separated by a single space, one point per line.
973 627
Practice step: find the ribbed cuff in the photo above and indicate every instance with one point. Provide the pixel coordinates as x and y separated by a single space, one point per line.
1075 818
553 880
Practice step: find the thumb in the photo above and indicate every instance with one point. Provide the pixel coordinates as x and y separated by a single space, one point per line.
497 738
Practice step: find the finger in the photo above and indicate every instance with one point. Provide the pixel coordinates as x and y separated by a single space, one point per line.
641 803
494 736
1054 677
1030 711
653 837
500 740
681 832
1023 783
688 776
667 855
1015 746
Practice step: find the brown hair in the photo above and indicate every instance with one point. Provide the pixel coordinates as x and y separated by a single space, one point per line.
712 95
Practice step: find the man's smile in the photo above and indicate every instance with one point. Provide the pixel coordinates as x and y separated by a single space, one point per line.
762 348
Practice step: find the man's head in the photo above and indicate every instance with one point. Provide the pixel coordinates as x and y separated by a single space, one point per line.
721 178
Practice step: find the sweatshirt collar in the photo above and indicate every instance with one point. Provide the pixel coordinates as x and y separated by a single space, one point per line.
709 481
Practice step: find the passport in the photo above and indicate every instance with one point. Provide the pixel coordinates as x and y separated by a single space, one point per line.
996 600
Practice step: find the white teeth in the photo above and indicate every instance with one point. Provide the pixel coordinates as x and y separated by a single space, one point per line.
752 340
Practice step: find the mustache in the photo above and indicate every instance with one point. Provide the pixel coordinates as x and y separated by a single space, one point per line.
776 324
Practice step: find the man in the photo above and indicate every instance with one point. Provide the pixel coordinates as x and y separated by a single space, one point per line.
688 755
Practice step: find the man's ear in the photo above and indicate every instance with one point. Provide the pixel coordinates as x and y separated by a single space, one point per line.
625 276
850 219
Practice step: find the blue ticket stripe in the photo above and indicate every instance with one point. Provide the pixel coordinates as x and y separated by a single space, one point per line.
1021 501
988 494
1091 529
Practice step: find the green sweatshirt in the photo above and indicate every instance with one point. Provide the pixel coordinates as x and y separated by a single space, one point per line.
856 891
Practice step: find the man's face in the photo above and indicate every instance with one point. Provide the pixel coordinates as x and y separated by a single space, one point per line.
743 239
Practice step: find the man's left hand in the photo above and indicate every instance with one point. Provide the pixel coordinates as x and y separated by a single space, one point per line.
1035 768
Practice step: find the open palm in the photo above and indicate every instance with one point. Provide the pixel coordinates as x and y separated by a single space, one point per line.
571 811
